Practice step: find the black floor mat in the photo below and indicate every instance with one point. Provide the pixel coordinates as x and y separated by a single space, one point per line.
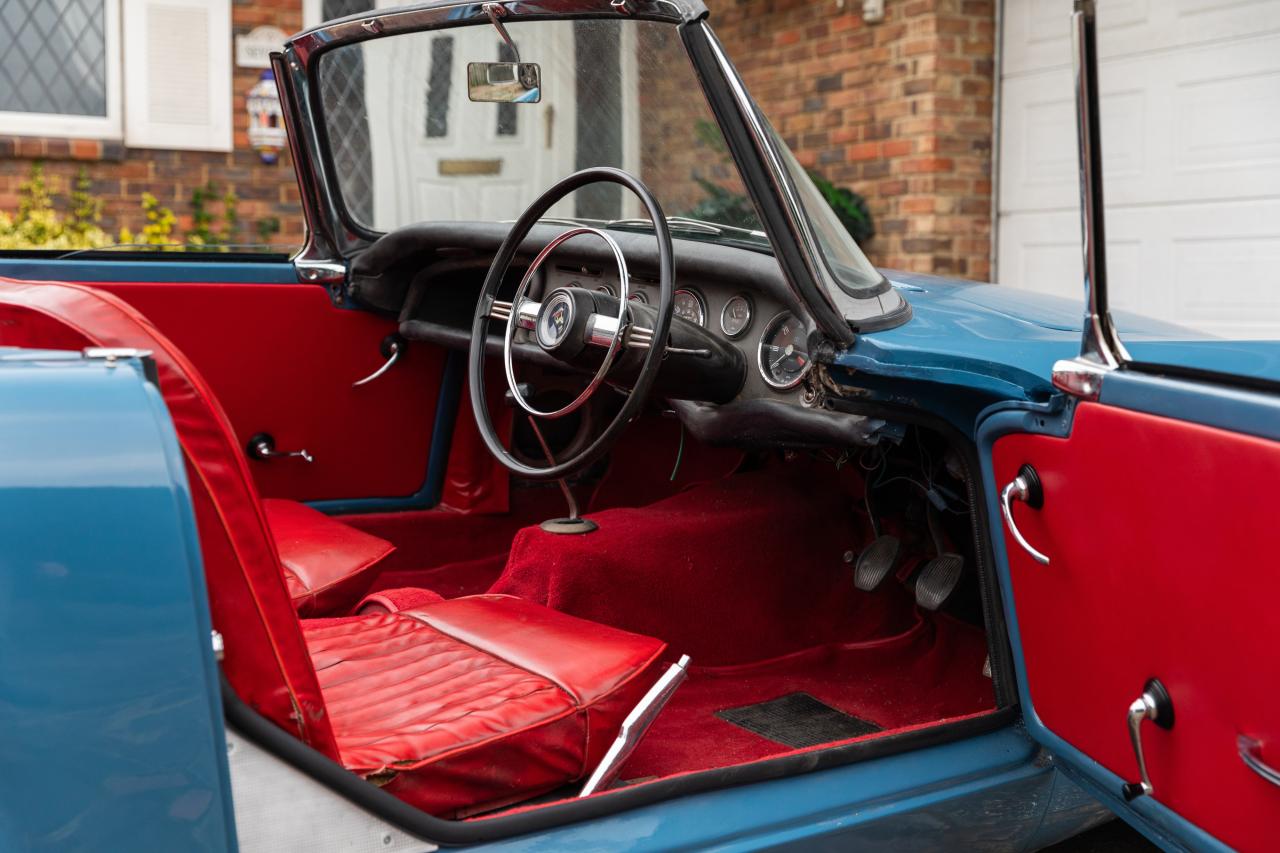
797 720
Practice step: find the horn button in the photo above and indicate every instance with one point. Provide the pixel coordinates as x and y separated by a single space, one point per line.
562 322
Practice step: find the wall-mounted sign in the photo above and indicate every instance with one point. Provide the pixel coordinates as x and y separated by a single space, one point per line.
253 50
267 135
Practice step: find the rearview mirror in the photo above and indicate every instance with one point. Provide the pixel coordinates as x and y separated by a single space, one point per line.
504 82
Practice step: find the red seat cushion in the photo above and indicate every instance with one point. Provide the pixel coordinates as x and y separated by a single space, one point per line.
469 704
327 564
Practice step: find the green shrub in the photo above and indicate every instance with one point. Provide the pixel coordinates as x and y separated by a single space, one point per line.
38 225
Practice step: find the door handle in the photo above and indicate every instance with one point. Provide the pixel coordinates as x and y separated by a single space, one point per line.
1155 705
391 348
263 446
1251 755
1026 488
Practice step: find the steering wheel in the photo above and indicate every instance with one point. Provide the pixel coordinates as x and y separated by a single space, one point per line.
569 322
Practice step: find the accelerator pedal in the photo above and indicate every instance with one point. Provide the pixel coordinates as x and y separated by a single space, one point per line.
876 562
937 579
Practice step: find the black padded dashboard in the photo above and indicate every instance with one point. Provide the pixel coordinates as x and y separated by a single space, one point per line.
430 274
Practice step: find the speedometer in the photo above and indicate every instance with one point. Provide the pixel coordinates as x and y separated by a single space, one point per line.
784 352
689 306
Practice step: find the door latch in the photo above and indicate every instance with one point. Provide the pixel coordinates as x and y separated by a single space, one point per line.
1155 705
263 446
1026 488
392 347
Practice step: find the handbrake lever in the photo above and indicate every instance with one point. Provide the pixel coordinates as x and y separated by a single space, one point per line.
635 726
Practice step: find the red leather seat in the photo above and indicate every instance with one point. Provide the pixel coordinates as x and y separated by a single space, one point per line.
327 564
509 698
455 706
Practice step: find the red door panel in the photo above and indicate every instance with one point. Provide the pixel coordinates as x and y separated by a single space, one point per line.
1164 541
281 359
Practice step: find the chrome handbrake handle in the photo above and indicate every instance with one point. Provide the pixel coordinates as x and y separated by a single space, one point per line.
1026 488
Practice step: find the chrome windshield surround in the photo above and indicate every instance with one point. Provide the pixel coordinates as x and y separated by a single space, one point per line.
446 13
331 236
823 304
1100 344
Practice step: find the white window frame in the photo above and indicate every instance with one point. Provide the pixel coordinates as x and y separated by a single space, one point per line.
311 10
110 126
141 129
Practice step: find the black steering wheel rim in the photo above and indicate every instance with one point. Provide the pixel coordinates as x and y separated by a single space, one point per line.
653 356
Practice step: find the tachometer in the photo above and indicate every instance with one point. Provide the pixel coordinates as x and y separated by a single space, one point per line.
689 306
784 352
736 316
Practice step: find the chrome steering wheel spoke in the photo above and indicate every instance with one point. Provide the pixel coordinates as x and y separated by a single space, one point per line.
609 337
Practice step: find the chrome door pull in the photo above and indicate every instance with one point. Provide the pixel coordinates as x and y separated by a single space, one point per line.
1251 755
1155 705
263 446
392 347
1026 488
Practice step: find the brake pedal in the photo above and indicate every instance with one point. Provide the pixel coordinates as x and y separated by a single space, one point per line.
937 579
876 562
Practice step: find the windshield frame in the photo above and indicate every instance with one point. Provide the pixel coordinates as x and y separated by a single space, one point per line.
335 235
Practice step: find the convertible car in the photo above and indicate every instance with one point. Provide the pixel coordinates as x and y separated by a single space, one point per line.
581 485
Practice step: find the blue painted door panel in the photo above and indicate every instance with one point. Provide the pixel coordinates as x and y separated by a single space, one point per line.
111 731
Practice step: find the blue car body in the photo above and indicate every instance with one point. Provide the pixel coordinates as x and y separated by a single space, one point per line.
109 687
119 708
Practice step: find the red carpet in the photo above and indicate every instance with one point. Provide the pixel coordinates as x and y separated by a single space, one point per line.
739 570
930 673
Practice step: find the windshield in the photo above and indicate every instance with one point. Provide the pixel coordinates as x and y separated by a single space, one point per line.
410 143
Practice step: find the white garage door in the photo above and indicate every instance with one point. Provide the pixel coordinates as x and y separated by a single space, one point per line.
1190 99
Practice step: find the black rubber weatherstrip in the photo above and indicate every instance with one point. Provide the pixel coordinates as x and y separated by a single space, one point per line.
450 833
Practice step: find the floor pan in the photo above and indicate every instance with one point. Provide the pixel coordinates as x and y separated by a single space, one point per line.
931 672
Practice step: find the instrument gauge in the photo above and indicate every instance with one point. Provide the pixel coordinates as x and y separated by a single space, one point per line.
784 352
604 288
638 296
688 305
736 316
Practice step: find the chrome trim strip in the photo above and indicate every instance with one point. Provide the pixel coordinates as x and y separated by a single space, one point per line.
1100 342
380 23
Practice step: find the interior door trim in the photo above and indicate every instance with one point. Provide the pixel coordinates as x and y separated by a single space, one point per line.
1148 815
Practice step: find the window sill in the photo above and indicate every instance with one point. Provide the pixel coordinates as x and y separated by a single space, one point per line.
57 148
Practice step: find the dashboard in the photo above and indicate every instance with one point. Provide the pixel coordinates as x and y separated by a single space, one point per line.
771 337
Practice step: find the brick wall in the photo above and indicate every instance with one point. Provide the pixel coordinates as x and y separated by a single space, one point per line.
899 111
120 175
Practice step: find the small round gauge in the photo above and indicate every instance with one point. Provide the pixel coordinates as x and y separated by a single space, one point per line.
688 305
736 316
638 296
604 288
784 352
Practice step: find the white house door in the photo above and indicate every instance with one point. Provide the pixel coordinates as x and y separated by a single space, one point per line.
444 157
1190 99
